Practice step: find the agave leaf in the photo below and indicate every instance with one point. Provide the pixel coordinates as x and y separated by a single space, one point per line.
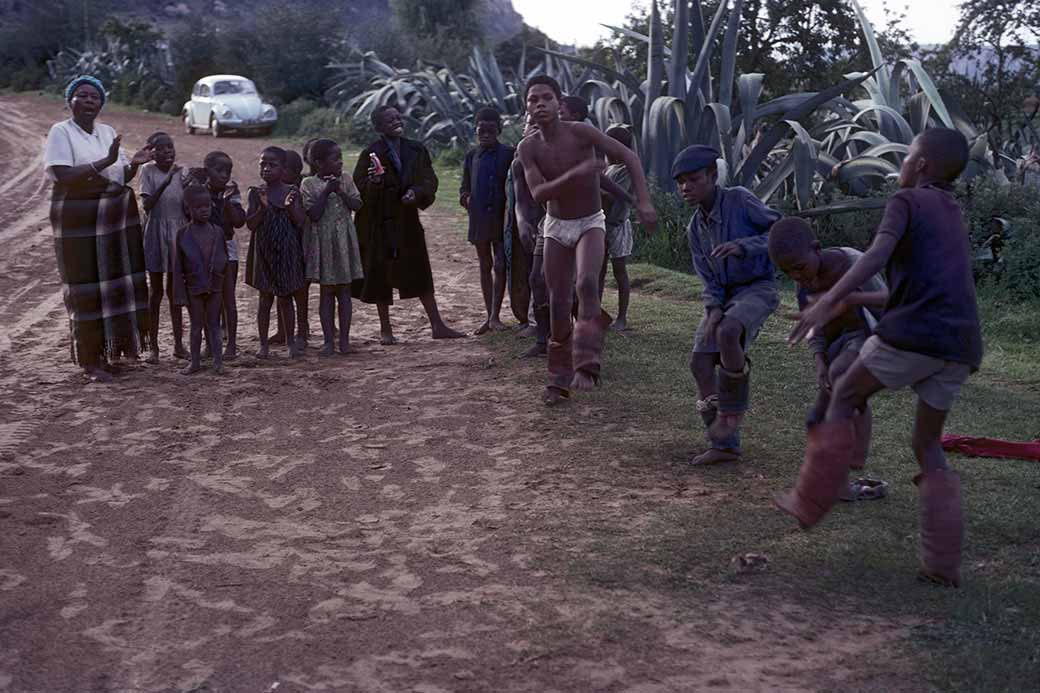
628 79
729 54
961 120
635 35
716 129
666 135
772 181
920 110
892 123
702 66
887 148
697 43
749 88
594 89
654 69
680 46
868 138
927 86
865 204
749 166
804 151
611 110
876 58
864 173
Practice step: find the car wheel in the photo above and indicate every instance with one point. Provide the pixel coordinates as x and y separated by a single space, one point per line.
215 128
188 128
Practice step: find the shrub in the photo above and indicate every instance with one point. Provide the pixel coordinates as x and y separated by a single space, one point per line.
668 246
1017 274
291 116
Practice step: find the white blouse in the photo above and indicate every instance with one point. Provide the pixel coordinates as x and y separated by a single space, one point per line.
70 145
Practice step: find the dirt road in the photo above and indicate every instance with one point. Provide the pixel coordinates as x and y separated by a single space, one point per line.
391 521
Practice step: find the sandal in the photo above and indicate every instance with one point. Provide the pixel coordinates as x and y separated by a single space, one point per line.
865 489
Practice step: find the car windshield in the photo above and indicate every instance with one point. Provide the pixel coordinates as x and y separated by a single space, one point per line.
238 86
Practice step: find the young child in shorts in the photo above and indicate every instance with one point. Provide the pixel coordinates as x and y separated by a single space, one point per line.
619 230
728 243
162 197
483 195
199 266
928 338
794 249
332 257
228 214
562 169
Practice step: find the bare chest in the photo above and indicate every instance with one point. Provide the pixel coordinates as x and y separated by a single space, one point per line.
556 157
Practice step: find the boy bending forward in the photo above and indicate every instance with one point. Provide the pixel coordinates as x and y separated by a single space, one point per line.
928 338
562 170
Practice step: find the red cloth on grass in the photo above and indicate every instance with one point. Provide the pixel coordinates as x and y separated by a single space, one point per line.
991 447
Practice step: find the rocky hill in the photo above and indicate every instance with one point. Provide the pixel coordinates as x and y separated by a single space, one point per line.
502 21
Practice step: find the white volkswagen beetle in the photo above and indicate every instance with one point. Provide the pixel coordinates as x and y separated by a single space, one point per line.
220 103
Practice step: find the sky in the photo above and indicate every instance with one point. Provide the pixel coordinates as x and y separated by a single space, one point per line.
577 21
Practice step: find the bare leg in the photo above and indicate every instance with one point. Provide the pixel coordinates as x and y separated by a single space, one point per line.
702 366
155 296
440 330
327 314
279 336
603 276
588 340
499 292
303 328
263 323
852 392
288 323
386 330
927 438
176 321
230 307
484 257
197 313
346 315
624 293
214 304
540 298
559 280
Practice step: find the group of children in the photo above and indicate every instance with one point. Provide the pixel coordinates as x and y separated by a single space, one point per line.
563 214
917 326
302 232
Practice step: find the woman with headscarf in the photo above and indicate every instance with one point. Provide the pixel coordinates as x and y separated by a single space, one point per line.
97 232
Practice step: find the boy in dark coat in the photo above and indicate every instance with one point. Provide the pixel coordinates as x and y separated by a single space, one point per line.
396 178
483 194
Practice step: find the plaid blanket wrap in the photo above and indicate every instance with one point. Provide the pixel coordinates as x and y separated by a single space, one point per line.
99 245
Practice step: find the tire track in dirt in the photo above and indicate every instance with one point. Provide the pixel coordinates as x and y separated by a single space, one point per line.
390 521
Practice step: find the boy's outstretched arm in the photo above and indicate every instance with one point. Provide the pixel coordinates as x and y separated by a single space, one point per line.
615 150
607 185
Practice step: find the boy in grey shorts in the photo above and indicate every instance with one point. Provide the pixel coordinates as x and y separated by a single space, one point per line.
728 237
928 338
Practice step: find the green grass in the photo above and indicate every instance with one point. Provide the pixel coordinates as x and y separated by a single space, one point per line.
983 637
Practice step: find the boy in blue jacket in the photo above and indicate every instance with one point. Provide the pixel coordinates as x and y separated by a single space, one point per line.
729 243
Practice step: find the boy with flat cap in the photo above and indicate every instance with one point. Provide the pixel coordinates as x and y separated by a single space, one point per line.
729 243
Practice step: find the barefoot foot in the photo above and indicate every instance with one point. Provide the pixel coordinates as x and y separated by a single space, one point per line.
582 382
442 331
97 375
179 352
263 353
218 368
191 369
231 354
483 329
554 395
346 348
327 349
153 356
277 338
497 325
526 330
713 456
619 325
534 351
387 338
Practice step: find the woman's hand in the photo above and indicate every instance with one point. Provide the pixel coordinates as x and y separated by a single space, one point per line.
230 190
291 198
374 176
409 199
113 149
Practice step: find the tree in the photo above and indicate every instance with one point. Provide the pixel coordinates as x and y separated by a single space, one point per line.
992 66
800 45
443 31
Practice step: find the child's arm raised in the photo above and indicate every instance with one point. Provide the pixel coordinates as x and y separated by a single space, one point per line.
315 204
257 207
892 228
294 206
615 150
151 197
233 207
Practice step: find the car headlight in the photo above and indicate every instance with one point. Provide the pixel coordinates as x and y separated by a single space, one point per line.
225 111
268 112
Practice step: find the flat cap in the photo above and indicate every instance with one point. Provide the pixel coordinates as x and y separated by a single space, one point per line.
693 159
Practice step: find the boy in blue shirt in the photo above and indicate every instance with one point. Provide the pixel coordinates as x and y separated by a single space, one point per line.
728 237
